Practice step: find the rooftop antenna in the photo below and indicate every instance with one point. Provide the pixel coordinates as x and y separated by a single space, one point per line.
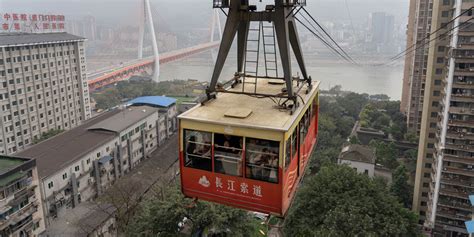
240 15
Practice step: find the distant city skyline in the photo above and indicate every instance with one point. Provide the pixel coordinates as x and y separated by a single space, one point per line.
197 15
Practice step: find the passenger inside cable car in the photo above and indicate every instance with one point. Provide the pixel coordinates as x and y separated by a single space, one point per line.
198 150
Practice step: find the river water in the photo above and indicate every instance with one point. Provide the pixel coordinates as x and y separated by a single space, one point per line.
363 79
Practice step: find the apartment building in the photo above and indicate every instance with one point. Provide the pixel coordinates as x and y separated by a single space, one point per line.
416 62
42 86
445 172
21 209
81 163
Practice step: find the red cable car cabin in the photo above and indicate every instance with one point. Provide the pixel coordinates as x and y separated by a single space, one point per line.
244 152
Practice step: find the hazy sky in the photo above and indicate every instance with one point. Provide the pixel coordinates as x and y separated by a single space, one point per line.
194 13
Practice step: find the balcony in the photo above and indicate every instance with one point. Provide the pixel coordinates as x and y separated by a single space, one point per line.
460 171
452 192
462 53
455 204
451 225
459 134
20 215
461 110
465 183
463 84
459 147
458 159
452 214
461 123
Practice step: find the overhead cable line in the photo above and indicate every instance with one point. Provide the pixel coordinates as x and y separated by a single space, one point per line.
321 37
469 11
322 40
463 25
329 36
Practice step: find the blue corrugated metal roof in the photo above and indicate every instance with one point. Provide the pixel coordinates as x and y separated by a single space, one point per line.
105 159
470 226
160 101
471 197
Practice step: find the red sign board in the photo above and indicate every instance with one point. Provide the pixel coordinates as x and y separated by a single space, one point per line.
21 22
231 190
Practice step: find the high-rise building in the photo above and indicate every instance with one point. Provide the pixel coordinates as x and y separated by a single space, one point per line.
410 34
419 24
21 208
445 167
382 27
42 86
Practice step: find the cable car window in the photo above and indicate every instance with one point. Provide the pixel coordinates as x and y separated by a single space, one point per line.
288 152
307 120
294 143
303 129
262 159
197 148
228 154
315 106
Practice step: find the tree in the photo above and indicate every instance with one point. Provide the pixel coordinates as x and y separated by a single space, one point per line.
46 135
386 153
169 213
400 187
339 202
354 140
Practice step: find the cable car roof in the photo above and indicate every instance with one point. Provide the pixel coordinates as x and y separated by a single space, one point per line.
263 111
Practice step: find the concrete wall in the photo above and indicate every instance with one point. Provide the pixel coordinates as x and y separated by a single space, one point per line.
361 167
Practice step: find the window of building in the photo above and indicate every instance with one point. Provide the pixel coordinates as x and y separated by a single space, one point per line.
425 185
197 149
426 175
76 168
428 165
50 185
65 176
262 159
228 154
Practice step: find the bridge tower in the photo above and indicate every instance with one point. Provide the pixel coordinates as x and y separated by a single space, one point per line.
146 20
215 22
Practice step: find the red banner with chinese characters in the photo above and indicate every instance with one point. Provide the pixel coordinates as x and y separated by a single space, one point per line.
234 191
31 23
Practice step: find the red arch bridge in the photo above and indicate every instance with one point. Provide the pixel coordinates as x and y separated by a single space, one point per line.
108 76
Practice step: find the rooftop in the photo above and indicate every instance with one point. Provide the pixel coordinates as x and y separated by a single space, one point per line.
360 153
9 163
58 152
126 118
21 39
263 111
13 168
156 101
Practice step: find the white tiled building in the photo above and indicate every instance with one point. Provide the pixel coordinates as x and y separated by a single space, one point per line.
42 86
79 164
